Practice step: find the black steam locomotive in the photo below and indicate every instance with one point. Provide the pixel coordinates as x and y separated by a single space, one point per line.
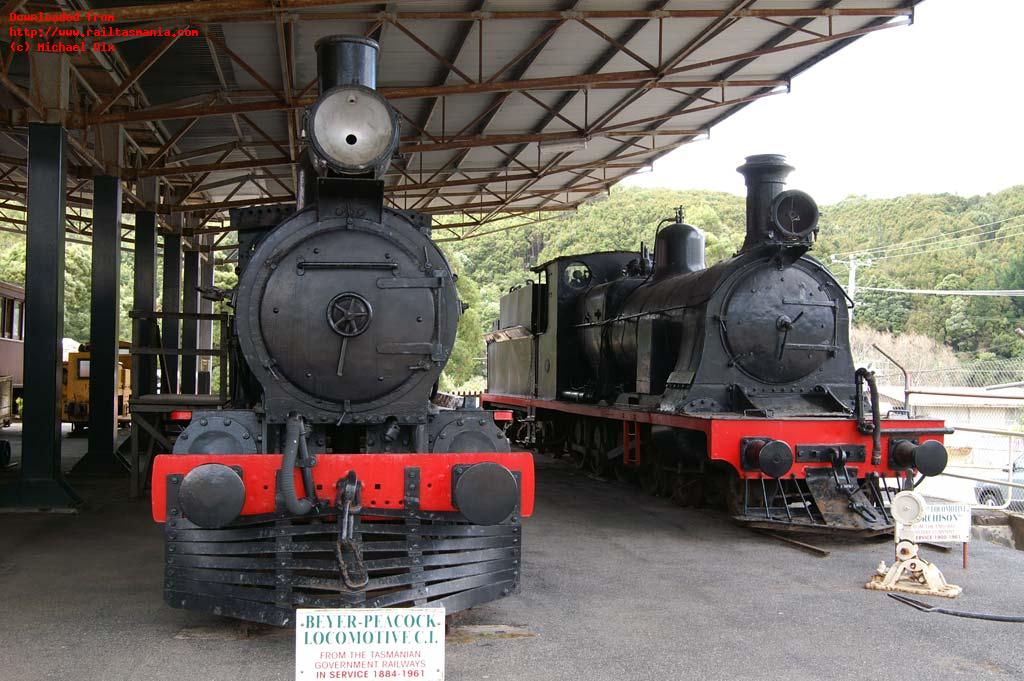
331 479
731 384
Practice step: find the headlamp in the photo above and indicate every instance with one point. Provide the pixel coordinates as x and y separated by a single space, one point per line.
353 129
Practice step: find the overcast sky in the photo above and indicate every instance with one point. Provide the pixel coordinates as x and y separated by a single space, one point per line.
933 107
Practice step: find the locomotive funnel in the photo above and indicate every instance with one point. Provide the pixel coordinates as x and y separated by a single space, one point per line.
774 215
765 176
346 60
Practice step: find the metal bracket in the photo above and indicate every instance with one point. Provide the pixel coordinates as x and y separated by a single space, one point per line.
824 454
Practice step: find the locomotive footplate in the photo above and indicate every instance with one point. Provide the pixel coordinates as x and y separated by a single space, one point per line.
829 500
261 568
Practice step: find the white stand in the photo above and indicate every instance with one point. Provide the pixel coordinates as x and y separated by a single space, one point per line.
912 574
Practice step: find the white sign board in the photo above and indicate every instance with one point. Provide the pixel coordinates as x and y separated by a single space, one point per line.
941 523
370 643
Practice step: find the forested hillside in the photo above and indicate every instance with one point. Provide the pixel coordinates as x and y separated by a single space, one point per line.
937 241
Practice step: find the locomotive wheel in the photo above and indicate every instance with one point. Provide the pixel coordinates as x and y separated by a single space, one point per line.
714 489
578 444
687 491
597 459
732 487
551 436
650 474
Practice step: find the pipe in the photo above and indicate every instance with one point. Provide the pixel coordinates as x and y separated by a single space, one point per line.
305 193
876 414
293 436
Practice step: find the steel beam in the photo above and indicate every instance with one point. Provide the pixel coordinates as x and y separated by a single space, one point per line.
190 305
104 330
205 307
260 10
144 298
170 301
42 483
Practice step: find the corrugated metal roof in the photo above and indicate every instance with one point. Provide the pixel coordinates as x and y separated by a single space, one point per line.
633 85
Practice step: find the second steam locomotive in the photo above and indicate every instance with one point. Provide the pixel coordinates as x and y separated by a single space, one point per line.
731 384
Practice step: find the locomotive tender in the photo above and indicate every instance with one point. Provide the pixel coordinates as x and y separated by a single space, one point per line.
331 479
731 384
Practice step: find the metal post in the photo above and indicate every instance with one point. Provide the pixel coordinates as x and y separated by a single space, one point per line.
189 327
42 482
171 302
104 330
206 325
143 326
144 302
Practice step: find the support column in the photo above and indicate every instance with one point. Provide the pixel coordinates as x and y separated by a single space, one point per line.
206 307
190 327
104 330
143 327
105 310
42 483
144 294
171 302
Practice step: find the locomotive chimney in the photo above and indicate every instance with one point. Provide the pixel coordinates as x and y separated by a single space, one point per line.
346 60
765 176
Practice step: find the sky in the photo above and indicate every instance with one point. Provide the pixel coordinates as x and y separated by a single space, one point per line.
934 107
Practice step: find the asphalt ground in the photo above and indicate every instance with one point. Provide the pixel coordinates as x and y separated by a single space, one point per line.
616 585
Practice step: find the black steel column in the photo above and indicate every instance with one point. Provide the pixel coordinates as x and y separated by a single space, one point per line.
171 302
42 482
189 327
206 326
104 330
144 301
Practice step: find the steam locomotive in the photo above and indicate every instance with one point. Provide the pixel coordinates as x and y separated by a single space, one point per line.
332 479
731 385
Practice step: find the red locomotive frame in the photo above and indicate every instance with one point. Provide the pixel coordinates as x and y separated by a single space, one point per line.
725 433
386 471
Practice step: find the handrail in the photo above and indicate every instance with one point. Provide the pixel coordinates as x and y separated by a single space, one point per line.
1001 483
990 431
201 316
949 393
1008 483
223 351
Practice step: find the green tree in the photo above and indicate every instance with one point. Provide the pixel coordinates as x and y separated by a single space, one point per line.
881 310
464 362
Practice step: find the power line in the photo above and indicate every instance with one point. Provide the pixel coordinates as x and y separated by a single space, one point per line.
993 293
955 242
947 247
940 237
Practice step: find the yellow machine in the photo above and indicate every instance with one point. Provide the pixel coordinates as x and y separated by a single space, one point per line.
74 402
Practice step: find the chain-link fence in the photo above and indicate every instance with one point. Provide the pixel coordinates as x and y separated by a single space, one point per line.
984 402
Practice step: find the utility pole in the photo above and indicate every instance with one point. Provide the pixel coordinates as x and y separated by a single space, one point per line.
851 280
